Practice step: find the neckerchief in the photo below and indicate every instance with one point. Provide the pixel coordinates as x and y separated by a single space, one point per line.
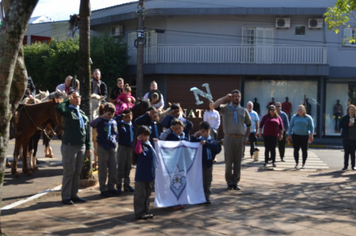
131 129
181 137
109 129
208 151
81 120
235 109
155 129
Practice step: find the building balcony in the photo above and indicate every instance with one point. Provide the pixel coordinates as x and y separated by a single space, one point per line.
194 54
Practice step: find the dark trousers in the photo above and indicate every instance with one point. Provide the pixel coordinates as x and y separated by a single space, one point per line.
282 145
252 139
300 141
349 149
270 146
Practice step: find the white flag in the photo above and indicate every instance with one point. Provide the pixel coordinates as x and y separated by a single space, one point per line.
179 178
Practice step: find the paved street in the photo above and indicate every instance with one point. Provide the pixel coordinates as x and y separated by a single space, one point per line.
318 200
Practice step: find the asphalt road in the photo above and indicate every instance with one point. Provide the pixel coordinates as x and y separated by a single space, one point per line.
48 176
50 173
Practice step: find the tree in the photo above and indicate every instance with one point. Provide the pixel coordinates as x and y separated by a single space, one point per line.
340 14
13 74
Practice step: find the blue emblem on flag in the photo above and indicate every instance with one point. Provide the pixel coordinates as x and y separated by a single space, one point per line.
178 162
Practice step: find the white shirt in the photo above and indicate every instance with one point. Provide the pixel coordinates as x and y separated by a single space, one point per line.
158 104
213 118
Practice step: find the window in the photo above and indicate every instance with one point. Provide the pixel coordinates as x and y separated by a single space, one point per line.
300 30
349 36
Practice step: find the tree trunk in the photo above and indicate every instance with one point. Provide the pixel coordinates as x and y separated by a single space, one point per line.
84 68
17 15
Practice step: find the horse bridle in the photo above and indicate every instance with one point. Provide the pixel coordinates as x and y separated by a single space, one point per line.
39 128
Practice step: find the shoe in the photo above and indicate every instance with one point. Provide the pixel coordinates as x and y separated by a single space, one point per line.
143 217
297 167
237 187
230 187
178 207
265 164
78 199
274 165
353 168
149 216
106 194
303 167
67 202
129 189
207 202
215 160
115 192
282 160
345 168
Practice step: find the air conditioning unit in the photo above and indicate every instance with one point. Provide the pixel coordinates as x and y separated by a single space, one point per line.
315 23
117 30
282 23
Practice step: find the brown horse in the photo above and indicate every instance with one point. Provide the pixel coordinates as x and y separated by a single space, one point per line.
31 117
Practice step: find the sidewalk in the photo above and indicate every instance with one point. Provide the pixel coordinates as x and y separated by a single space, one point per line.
284 201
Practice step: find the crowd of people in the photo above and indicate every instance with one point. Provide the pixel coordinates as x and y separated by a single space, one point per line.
123 141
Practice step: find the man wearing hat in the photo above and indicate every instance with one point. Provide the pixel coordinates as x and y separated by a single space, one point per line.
155 96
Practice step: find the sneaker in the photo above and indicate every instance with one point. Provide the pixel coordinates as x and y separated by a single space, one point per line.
265 164
303 167
207 202
296 167
274 165
129 189
237 187
78 199
353 168
67 202
149 216
106 194
230 187
282 160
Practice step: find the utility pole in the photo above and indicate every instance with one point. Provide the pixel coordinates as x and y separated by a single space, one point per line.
140 42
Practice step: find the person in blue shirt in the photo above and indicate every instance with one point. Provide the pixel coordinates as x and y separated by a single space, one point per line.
145 158
210 149
150 119
282 142
106 127
255 121
302 127
177 133
124 154
176 114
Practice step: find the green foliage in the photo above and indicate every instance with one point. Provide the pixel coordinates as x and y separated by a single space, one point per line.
339 14
50 64
110 56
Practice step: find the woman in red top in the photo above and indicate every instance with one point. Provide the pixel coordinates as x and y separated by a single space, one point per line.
272 125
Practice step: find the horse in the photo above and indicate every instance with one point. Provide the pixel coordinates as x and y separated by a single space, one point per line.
30 118
56 94
97 109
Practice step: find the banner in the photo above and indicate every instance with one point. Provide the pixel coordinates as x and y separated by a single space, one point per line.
179 178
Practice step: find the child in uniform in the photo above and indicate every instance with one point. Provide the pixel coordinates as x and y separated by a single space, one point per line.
124 154
210 149
107 130
145 158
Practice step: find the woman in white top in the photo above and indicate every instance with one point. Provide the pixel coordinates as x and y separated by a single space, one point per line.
213 118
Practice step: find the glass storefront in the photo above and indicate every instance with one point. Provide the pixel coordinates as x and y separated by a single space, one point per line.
338 96
296 92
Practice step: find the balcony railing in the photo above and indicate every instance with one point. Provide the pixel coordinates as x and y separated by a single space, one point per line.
276 54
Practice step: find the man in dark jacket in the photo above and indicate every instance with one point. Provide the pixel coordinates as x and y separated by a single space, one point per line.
98 86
